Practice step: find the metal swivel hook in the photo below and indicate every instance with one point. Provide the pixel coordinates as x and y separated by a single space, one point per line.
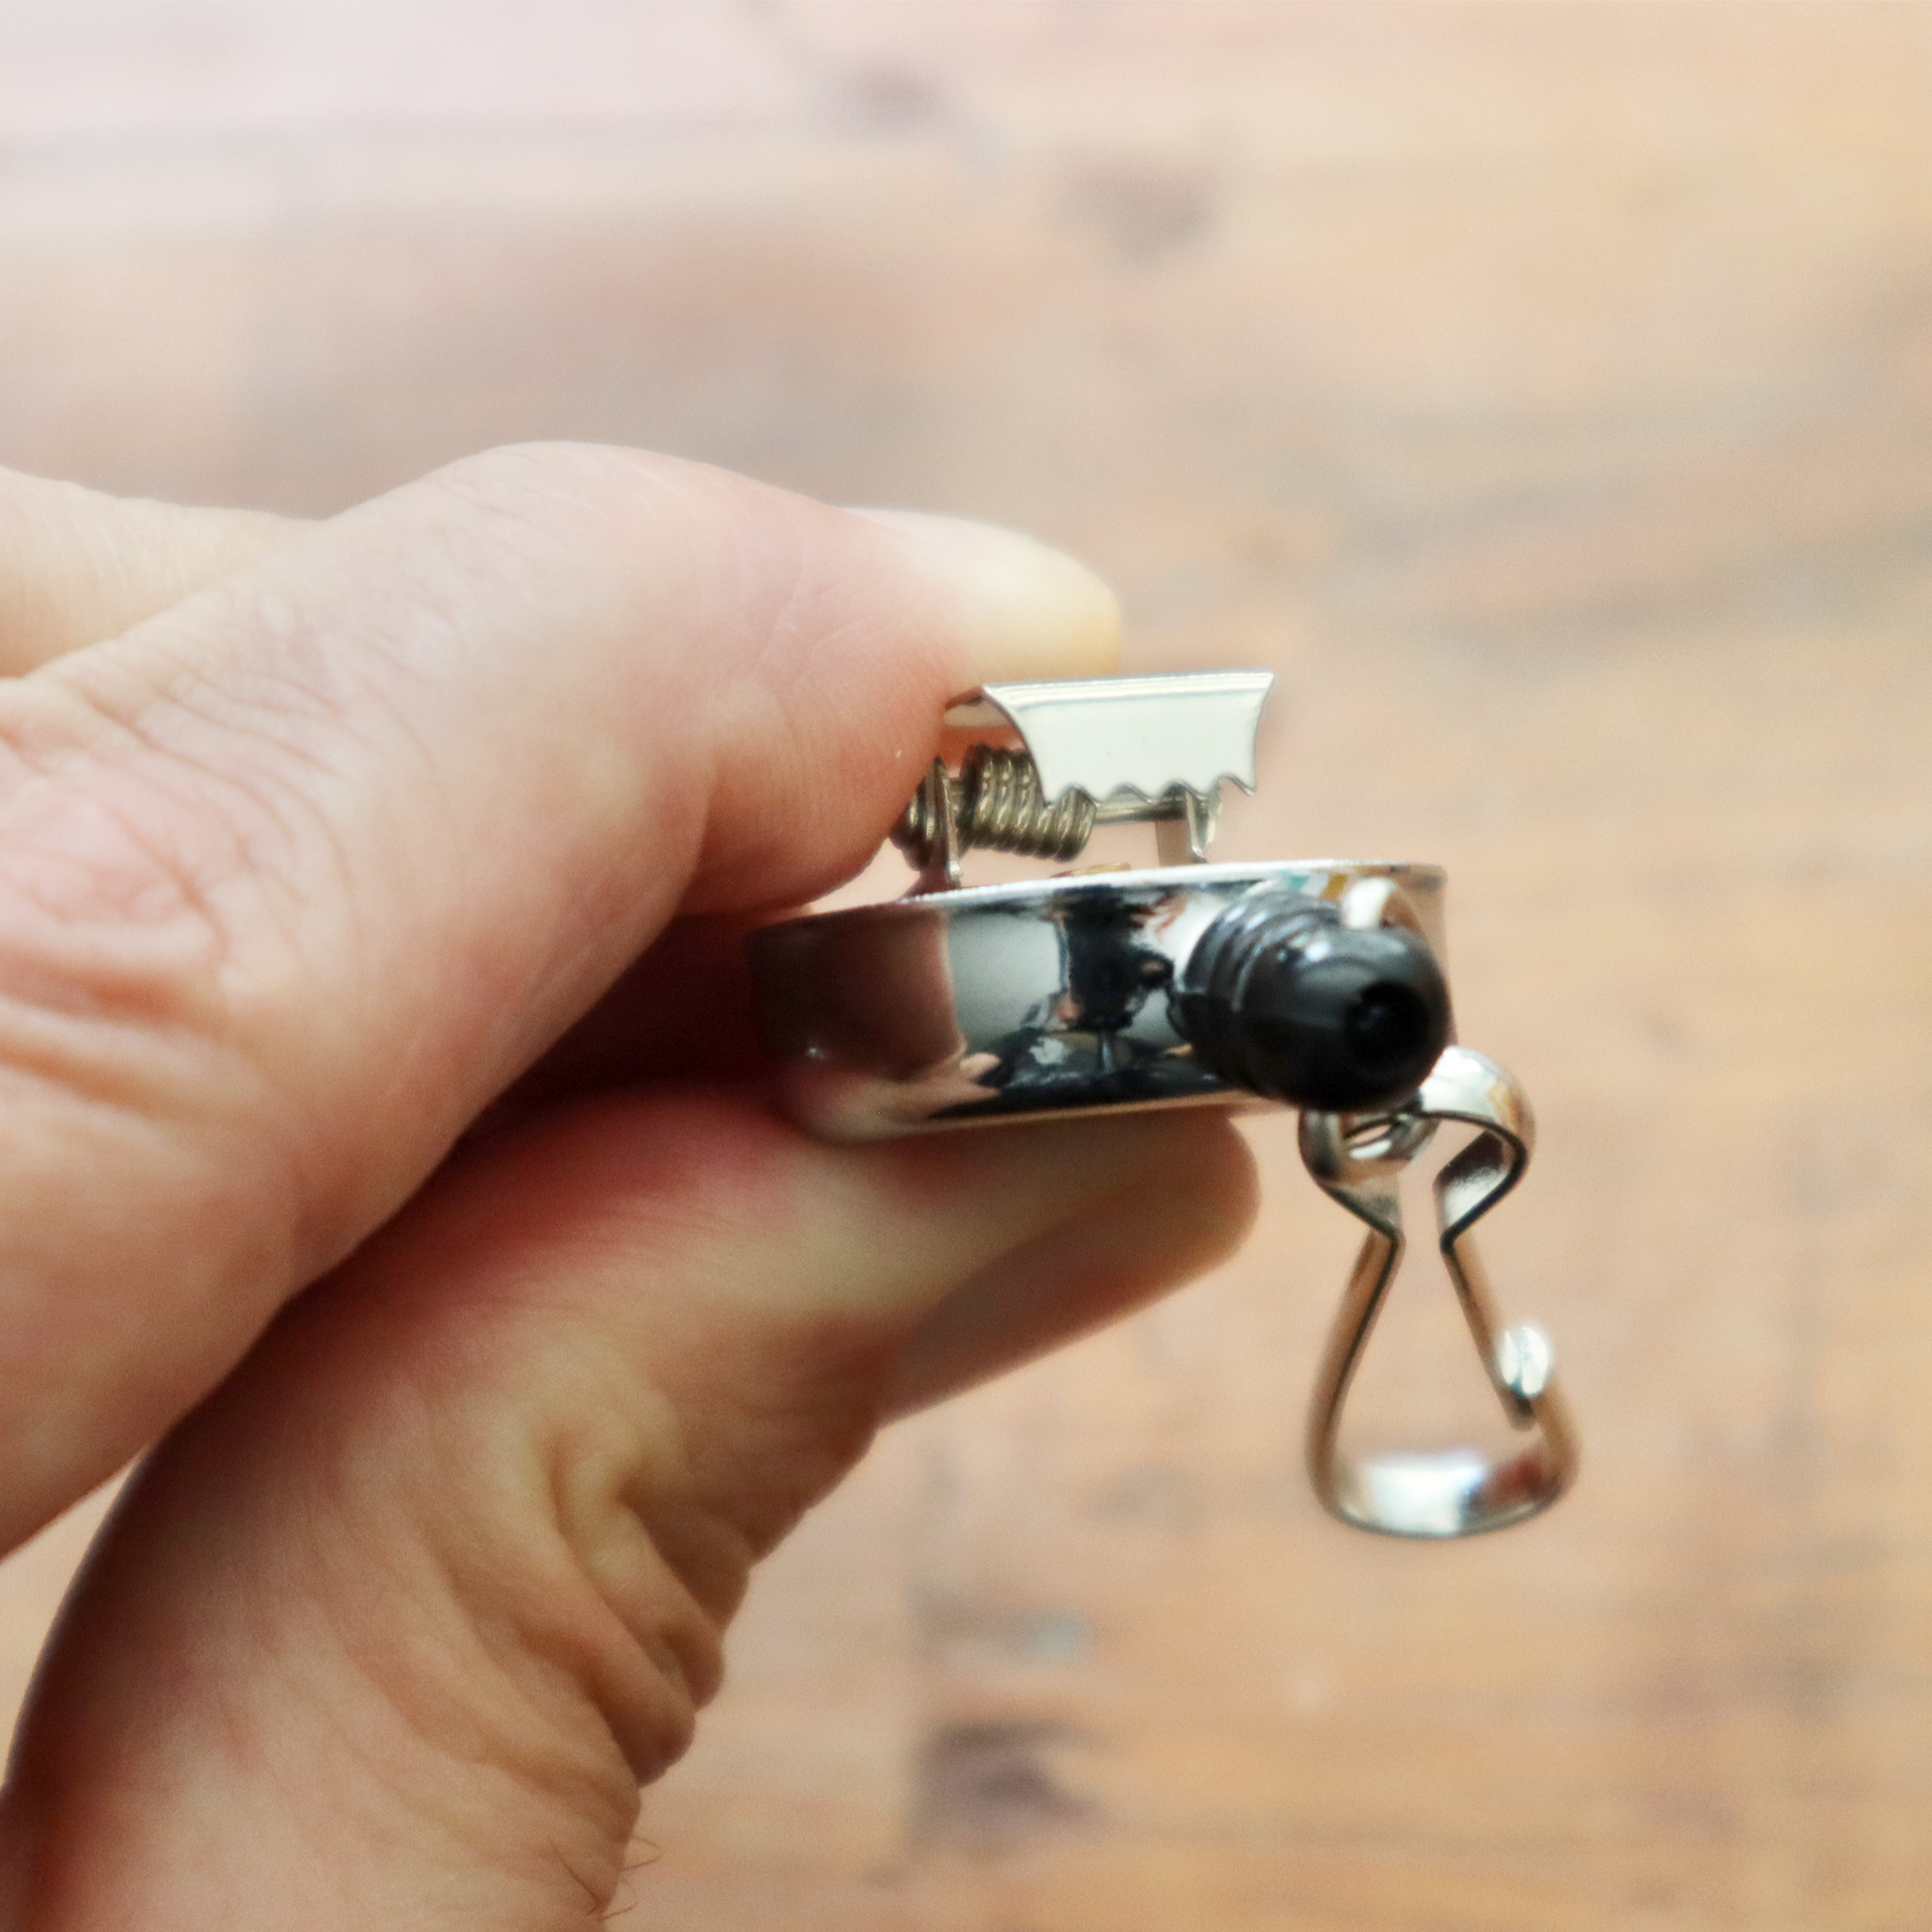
1359 1160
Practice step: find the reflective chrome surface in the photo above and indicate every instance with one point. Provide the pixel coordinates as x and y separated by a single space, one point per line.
1457 1492
955 1009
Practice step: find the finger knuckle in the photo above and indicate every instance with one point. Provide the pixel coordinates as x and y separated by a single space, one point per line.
139 971
108 928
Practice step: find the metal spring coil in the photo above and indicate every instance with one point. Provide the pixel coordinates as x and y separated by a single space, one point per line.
996 805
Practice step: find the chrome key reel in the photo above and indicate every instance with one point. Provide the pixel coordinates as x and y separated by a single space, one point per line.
1314 984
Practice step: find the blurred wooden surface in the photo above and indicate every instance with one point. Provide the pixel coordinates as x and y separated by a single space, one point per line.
1547 395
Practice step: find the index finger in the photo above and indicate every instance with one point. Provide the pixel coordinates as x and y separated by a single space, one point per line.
77 565
293 878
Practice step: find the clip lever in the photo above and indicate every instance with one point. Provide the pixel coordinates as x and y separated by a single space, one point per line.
1095 752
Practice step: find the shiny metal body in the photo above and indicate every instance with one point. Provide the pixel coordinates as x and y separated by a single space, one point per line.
958 1009
961 1006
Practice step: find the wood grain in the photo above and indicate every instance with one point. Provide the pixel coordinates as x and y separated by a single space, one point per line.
1547 395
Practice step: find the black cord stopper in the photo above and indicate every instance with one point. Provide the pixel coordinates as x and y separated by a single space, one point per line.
1283 998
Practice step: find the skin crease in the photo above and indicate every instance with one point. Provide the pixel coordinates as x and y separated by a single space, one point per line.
374 1055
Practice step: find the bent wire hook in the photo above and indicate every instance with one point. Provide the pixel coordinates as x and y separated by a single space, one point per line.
1360 1161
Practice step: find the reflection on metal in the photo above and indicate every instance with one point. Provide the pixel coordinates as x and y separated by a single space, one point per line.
953 1009
1314 982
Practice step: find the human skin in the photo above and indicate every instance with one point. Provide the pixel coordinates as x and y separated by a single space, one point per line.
385 1155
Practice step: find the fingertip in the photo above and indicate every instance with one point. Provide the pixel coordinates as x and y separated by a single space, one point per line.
1185 1201
1021 608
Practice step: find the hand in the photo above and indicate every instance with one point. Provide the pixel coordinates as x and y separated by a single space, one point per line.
372 1142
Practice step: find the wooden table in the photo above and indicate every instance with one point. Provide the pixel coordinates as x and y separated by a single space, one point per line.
1547 395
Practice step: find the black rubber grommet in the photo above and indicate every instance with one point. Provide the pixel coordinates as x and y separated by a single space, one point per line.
1283 998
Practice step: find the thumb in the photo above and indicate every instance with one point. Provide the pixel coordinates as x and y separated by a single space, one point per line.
396 1623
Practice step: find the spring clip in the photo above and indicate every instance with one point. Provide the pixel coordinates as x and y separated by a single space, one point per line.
997 803
1311 984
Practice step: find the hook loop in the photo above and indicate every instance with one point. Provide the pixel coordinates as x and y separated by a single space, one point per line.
1359 1160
